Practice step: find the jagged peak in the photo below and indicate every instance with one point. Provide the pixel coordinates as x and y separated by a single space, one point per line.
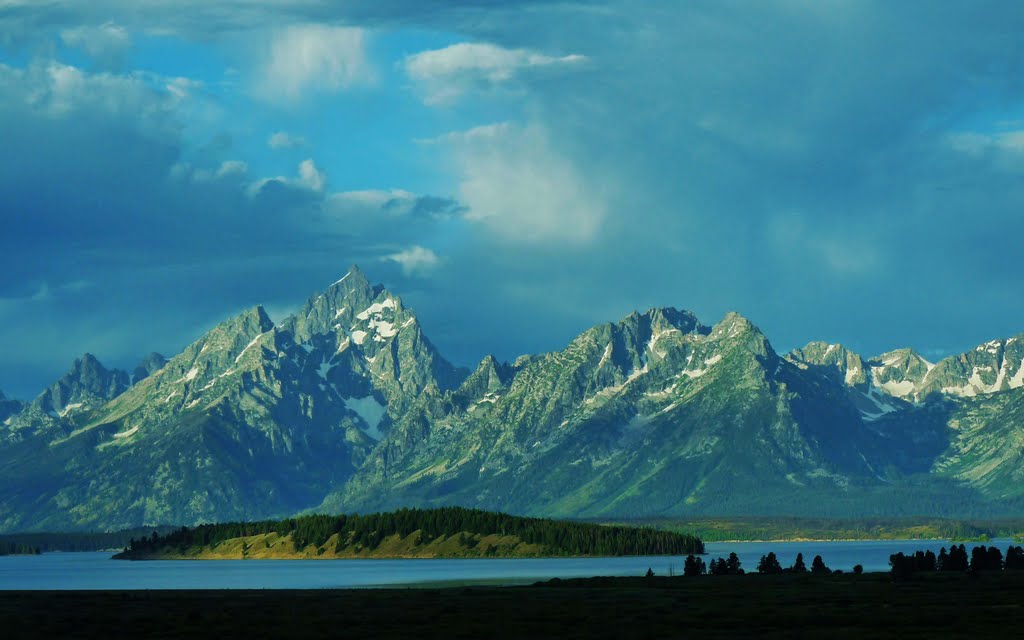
733 324
87 376
87 362
820 352
903 357
658 319
353 278
734 327
670 317
253 316
488 362
88 359
149 365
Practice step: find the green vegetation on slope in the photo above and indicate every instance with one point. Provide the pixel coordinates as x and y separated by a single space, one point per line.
717 529
352 534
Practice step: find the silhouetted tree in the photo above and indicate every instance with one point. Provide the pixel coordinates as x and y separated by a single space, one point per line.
986 559
733 565
818 566
798 565
957 559
769 564
720 567
858 569
901 566
995 559
694 566
1014 558
943 560
930 562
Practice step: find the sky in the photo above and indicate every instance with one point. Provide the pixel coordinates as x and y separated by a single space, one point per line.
840 170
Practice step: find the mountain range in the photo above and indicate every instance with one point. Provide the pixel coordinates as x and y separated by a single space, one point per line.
346 406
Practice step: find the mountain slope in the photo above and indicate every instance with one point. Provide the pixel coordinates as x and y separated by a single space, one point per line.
347 406
251 420
654 414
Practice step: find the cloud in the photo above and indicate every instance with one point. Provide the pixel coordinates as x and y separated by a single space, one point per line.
99 186
285 140
201 19
664 169
308 59
415 260
515 183
393 203
107 43
446 74
309 178
229 170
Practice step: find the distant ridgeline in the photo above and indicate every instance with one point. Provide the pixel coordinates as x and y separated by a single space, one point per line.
426 533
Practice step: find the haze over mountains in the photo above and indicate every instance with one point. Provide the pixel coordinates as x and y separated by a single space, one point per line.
347 406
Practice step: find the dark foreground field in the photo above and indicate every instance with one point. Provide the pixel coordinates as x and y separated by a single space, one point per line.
846 606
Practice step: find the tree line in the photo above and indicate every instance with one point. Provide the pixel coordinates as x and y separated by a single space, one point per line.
79 540
17 549
981 559
769 564
558 537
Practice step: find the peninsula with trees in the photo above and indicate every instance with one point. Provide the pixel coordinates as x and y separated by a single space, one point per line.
449 532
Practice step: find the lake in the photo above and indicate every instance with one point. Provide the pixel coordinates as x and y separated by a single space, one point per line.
95 570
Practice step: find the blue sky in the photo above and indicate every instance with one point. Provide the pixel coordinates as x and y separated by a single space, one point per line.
516 171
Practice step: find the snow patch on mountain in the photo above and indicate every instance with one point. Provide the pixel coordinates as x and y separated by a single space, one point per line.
68 409
128 433
375 308
1017 381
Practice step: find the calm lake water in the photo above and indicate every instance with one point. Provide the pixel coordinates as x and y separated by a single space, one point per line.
98 571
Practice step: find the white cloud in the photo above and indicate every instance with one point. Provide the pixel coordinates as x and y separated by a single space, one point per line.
977 143
285 140
415 260
61 91
476 134
1002 151
446 74
108 43
310 178
516 184
314 59
232 170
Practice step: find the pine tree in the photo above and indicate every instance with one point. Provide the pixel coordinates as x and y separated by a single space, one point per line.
733 565
818 566
693 566
799 566
769 564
